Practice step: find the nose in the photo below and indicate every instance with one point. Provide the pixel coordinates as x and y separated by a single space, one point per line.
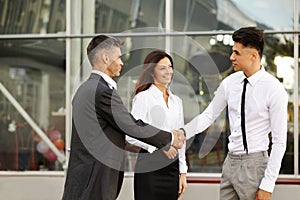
231 57
169 70
121 63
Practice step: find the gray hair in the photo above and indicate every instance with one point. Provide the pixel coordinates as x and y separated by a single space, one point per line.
100 44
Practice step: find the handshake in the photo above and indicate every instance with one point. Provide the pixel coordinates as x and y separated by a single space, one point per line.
178 138
178 141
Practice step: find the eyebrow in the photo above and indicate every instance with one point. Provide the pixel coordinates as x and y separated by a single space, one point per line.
164 65
235 51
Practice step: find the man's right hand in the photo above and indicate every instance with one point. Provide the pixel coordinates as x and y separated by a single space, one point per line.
179 138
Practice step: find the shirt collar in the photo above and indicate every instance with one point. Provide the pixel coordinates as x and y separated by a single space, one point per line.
157 93
112 84
255 77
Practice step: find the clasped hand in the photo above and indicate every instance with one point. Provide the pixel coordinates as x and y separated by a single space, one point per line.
178 141
179 138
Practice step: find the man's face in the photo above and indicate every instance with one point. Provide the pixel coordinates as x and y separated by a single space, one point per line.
241 57
116 63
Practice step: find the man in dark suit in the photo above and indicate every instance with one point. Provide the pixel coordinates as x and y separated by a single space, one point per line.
100 122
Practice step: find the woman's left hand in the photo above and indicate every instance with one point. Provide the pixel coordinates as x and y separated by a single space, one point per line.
171 153
182 184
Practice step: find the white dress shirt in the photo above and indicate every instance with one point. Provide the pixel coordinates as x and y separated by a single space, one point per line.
265 112
150 107
111 83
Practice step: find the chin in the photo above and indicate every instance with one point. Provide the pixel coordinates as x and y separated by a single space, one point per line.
236 69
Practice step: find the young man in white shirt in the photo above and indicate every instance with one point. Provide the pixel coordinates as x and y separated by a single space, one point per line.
248 171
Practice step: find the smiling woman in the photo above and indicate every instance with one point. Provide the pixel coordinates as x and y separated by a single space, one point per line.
157 175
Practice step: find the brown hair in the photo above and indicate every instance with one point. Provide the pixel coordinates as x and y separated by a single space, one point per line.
250 37
145 79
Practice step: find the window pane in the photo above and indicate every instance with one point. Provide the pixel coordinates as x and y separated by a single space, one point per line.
33 16
206 15
118 16
279 57
270 14
33 72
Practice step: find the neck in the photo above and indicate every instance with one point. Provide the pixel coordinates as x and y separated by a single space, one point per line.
161 87
164 90
98 68
252 71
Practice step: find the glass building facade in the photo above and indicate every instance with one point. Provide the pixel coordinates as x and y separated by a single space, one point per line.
43 60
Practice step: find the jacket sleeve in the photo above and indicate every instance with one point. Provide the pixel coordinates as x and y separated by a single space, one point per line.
110 108
139 111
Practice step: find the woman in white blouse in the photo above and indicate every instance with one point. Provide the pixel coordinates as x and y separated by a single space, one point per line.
158 174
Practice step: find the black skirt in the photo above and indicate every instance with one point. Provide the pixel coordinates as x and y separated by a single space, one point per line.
156 177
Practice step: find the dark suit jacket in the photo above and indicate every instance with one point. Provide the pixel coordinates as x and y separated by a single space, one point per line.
99 124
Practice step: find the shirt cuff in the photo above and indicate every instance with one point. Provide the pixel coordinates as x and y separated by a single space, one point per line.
191 128
151 149
183 168
267 185
172 139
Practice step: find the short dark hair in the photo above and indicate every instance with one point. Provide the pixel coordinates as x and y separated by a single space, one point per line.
250 37
101 42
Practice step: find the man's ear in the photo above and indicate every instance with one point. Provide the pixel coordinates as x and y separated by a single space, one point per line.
255 54
105 58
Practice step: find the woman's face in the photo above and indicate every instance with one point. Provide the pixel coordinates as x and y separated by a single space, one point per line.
163 72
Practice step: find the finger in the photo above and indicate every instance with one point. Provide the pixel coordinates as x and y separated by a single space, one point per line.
167 154
180 189
183 190
179 194
174 152
173 155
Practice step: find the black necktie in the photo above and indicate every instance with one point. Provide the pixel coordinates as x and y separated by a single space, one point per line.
243 116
